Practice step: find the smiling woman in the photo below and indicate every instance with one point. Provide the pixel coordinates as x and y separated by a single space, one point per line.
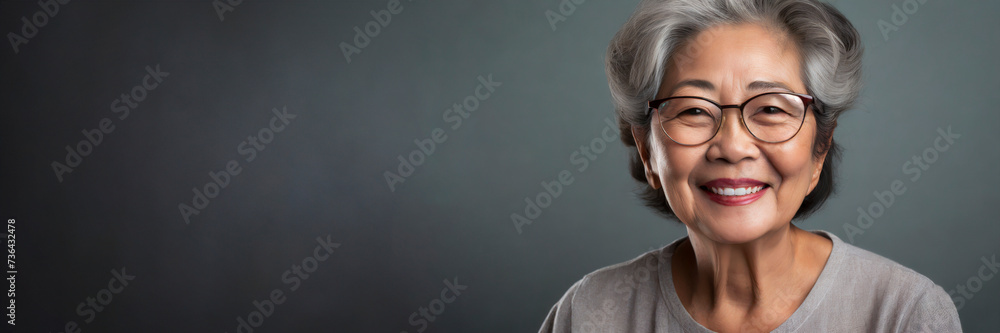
734 138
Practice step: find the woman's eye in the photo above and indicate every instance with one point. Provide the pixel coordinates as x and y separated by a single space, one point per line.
693 112
771 110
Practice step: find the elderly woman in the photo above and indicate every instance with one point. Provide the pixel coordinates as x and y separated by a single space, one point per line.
731 107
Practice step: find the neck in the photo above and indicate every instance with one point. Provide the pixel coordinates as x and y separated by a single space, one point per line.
744 276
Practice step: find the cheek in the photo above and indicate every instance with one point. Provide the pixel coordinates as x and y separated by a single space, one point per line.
794 162
678 165
674 168
673 163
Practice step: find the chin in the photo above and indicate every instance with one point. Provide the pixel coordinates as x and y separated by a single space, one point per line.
736 230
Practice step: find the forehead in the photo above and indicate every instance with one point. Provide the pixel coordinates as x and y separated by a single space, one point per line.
731 57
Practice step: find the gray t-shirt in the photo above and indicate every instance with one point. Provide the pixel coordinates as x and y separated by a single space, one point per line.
858 291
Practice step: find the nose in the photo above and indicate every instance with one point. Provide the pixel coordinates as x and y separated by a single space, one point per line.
733 143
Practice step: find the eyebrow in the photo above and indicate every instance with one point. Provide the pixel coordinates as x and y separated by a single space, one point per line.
766 85
701 84
705 85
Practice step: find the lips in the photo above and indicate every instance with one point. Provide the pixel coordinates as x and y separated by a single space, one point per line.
734 192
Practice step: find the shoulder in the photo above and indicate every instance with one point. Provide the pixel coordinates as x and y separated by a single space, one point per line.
610 286
877 271
630 274
609 298
903 297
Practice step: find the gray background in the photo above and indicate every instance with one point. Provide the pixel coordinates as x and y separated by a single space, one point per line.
324 173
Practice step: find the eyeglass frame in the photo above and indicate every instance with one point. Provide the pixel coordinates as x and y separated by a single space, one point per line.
807 101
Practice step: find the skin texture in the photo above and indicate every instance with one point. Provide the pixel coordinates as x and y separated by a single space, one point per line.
745 268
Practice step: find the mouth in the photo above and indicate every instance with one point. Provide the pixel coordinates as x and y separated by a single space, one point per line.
734 192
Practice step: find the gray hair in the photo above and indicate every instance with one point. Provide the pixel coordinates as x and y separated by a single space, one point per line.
829 46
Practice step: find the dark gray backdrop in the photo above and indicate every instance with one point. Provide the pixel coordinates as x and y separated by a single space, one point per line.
323 174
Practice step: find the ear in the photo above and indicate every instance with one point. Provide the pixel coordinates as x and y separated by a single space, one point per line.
640 136
818 168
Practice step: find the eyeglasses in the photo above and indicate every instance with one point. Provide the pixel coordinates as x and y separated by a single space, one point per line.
772 117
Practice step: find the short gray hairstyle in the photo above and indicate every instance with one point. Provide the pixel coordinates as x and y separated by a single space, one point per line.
829 46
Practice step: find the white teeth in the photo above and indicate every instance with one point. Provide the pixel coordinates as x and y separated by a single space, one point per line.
735 191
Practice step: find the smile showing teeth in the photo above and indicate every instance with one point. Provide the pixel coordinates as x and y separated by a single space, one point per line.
727 191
